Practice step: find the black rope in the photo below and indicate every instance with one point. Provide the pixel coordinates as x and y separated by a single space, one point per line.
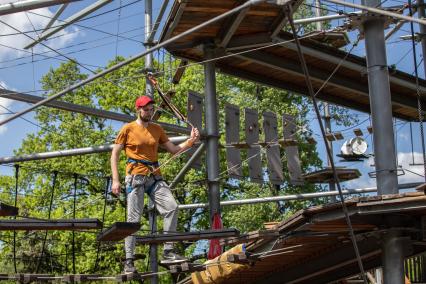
16 202
55 175
103 220
73 216
330 156
419 103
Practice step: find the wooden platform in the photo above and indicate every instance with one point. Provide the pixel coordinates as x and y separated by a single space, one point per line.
7 210
58 224
118 231
326 175
189 236
261 26
314 246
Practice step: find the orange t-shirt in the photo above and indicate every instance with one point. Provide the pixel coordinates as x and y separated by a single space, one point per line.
141 143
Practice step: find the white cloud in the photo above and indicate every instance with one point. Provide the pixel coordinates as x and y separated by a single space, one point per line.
27 22
413 173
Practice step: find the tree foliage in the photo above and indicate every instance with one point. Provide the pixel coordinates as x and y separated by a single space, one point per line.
86 176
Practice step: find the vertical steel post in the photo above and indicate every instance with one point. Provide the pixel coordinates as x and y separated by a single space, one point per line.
383 135
327 119
153 249
212 129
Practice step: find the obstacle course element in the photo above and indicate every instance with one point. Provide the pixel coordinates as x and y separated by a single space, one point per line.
250 237
118 231
195 106
252 137
232 137
270 127
292 152
187 268
134 276
8 210
326 175
189 236
75 278
58 224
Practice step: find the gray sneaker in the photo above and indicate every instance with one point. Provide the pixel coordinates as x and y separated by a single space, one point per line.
129 267
169 256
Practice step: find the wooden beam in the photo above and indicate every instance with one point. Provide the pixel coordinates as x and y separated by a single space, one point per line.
189 236
187 267
58 224
7 210
179 72
118 231
229 29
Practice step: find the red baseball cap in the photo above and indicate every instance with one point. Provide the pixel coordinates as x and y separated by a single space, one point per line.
143 101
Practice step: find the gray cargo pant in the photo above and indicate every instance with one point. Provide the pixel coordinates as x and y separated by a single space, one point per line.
163 200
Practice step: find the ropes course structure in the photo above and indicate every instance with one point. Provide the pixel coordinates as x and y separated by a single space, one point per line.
268 57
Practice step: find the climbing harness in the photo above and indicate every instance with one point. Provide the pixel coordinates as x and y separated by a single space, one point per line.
152 167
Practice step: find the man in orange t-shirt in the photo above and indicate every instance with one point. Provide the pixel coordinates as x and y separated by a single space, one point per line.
140 140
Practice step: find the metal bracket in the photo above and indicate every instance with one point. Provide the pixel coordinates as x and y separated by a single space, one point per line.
356 21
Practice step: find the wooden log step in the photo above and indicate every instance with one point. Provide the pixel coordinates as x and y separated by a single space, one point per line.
133 276
358 132
58 224
7 210
72 278
118 231
187 236
187 267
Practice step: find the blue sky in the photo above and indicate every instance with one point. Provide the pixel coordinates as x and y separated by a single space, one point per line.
21 71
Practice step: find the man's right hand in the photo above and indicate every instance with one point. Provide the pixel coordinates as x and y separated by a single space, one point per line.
116 188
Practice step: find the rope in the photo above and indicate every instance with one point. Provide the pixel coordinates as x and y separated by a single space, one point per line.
419 103
16 201
108 179
330 156
55 175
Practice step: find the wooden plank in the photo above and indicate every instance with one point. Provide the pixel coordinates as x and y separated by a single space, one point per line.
58 224
7 210
118 231
133 276
195 106
421 187
232 135
326 175
179 72
292 153
370 129
311 140
330 137
250 237
338 135
189 236
358 132
275 168
252 137
187 267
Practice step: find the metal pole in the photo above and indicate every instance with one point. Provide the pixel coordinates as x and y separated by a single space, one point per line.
393 259
327 119
212 129
153 248
378 11
131 59
26 5
71 152
301 196
188 164
158 21
384 145
421 15
324 18
55 16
